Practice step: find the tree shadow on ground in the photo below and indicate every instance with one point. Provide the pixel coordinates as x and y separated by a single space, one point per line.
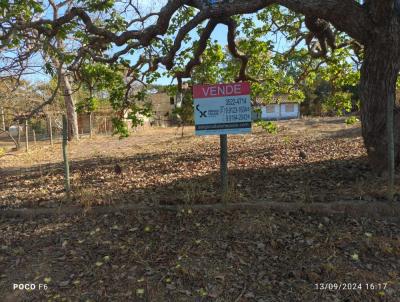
346 133
322 121
171 178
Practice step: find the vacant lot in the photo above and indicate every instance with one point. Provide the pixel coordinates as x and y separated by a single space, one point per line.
192 254
161 167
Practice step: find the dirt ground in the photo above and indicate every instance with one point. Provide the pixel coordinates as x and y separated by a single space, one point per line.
160 167
200 256
192 254
156 139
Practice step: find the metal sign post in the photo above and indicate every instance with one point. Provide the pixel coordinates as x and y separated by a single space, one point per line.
222 109
223 140
65 156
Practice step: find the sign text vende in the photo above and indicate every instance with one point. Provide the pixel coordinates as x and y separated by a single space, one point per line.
220 90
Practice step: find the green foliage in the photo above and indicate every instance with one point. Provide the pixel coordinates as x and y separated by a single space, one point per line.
275 71
98 5
180 18
87 105
108 81
49 69
258 112
323 97
338 103
268 126
210 70
137 113
287 139
185 112
115 22
2 152
351 120
37 125
120 127
101 76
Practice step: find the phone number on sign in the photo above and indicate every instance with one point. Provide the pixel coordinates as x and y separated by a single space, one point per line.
350 286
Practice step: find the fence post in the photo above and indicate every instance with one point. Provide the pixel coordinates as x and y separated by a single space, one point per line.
3 119
223 138
65 156
34 136
50 131
90 124
26 136
19 136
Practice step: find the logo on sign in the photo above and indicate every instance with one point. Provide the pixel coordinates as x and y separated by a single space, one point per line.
202 113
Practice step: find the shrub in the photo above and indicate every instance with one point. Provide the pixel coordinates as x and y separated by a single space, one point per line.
351 120
287 139
268 126
2 152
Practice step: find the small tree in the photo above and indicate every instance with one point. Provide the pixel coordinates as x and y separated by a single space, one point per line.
184 113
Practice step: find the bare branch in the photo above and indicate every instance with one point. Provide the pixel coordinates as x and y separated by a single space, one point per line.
167 60
48 101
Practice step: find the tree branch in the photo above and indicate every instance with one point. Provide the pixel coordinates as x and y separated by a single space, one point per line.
48 101
196 60
233 50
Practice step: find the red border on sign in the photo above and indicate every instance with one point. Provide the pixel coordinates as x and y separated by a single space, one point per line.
220 90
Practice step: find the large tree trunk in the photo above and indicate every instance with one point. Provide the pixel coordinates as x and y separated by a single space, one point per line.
72 117
378 84
70 108
65 85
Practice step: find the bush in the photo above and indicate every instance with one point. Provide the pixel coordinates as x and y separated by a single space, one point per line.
2 152
269 126
287 139
351 120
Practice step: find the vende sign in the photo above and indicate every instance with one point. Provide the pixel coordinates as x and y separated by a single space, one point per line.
222 109
207 91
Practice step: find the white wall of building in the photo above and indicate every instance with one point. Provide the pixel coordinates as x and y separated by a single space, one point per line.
270 111
280 111
290 110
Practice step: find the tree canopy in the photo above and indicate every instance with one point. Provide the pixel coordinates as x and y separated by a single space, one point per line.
175 37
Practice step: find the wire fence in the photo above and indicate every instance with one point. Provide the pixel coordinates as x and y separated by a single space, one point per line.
48 127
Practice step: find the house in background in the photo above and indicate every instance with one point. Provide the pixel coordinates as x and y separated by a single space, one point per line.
101 119
162 105
280 108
